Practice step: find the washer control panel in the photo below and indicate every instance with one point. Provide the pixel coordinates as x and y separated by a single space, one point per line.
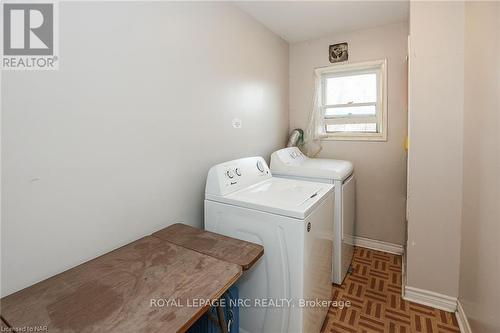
231 176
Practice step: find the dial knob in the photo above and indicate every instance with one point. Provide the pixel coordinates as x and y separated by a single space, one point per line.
260 166
230 173
237 171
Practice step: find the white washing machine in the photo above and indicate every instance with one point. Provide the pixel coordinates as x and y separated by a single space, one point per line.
292 220
292 163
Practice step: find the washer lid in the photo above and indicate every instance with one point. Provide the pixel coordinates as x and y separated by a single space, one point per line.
287 197
291 162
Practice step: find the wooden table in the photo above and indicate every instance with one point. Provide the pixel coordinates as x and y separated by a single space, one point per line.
121 291
236 251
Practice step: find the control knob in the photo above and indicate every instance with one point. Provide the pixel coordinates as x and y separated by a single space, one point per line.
260 166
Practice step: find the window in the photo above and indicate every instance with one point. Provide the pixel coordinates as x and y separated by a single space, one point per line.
353 101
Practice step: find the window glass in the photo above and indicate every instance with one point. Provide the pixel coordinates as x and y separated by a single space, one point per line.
359 88
368 127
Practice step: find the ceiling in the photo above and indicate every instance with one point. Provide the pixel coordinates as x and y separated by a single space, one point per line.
297 21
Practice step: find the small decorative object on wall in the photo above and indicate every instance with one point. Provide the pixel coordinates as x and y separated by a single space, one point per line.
338 52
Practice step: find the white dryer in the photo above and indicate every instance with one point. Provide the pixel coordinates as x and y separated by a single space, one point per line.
292 220
292 163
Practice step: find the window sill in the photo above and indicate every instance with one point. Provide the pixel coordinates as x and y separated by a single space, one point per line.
380 137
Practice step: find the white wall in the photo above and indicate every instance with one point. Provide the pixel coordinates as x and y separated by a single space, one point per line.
117 143
380 167
436 133
479 291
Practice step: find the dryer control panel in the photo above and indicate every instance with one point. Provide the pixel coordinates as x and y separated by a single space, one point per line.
291 156
291 162
231 176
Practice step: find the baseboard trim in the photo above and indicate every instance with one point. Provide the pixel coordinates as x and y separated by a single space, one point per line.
463 323
403 274
378 245
430 298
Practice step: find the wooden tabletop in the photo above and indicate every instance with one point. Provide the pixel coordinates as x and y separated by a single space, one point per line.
215 245
114 292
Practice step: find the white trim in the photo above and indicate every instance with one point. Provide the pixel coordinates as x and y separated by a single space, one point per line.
378 245
463 323
430 298
379 67
403 274
353 136
357 119
350 105
347 66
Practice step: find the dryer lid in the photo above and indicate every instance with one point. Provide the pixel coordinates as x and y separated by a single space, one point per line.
287 197
292 162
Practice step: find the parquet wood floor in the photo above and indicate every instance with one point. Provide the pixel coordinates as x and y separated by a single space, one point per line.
374 290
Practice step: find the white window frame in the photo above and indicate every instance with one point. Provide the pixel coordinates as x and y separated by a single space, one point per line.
380 68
